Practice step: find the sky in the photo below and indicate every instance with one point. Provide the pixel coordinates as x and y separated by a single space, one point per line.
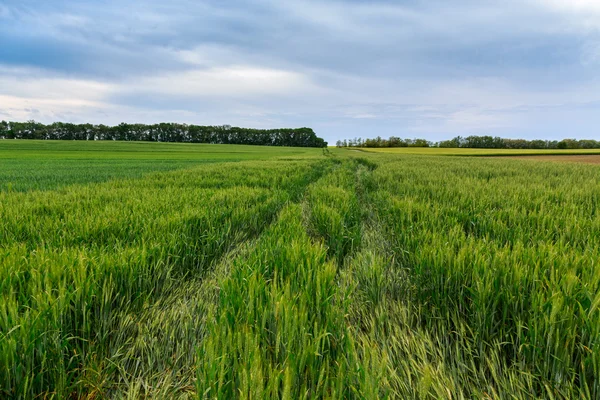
430 69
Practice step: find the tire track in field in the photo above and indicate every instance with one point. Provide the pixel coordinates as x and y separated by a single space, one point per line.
278 333
174 326
282 330
397 359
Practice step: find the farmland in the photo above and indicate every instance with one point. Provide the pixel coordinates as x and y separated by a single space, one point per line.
582 158
478 152
37 164
223 271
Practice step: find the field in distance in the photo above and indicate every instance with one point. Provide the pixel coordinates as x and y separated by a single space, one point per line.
138 270
37 164
473 152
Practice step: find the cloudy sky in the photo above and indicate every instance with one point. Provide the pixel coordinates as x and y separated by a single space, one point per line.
347 68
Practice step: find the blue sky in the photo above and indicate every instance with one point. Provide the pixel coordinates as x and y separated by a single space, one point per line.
347 68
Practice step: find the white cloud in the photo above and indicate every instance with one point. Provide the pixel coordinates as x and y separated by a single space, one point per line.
232 81
234 91
37 84
35 94
363 116
572 5
580 15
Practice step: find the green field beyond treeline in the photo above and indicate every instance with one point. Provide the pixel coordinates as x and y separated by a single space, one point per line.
134 270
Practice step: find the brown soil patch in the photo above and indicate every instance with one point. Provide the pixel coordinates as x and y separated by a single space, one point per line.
587 159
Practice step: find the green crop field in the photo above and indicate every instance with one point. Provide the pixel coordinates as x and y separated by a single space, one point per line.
476 152
33 164
135 270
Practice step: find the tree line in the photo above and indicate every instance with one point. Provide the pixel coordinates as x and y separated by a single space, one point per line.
163 132
379 142
473 142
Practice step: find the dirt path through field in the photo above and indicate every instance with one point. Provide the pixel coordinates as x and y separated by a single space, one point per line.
586 159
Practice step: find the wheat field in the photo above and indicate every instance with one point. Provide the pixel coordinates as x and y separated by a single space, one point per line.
132 270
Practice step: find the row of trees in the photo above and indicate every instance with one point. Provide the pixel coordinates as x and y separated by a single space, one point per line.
475 142
489 142
379 142
164 132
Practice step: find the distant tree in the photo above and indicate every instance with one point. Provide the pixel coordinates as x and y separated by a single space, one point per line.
474 141
452 143
419 143
588 144
396 142
3 129
163 132
568 144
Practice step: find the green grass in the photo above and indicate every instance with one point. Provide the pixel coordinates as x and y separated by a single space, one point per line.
496 261
294 274
472 152
43 165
